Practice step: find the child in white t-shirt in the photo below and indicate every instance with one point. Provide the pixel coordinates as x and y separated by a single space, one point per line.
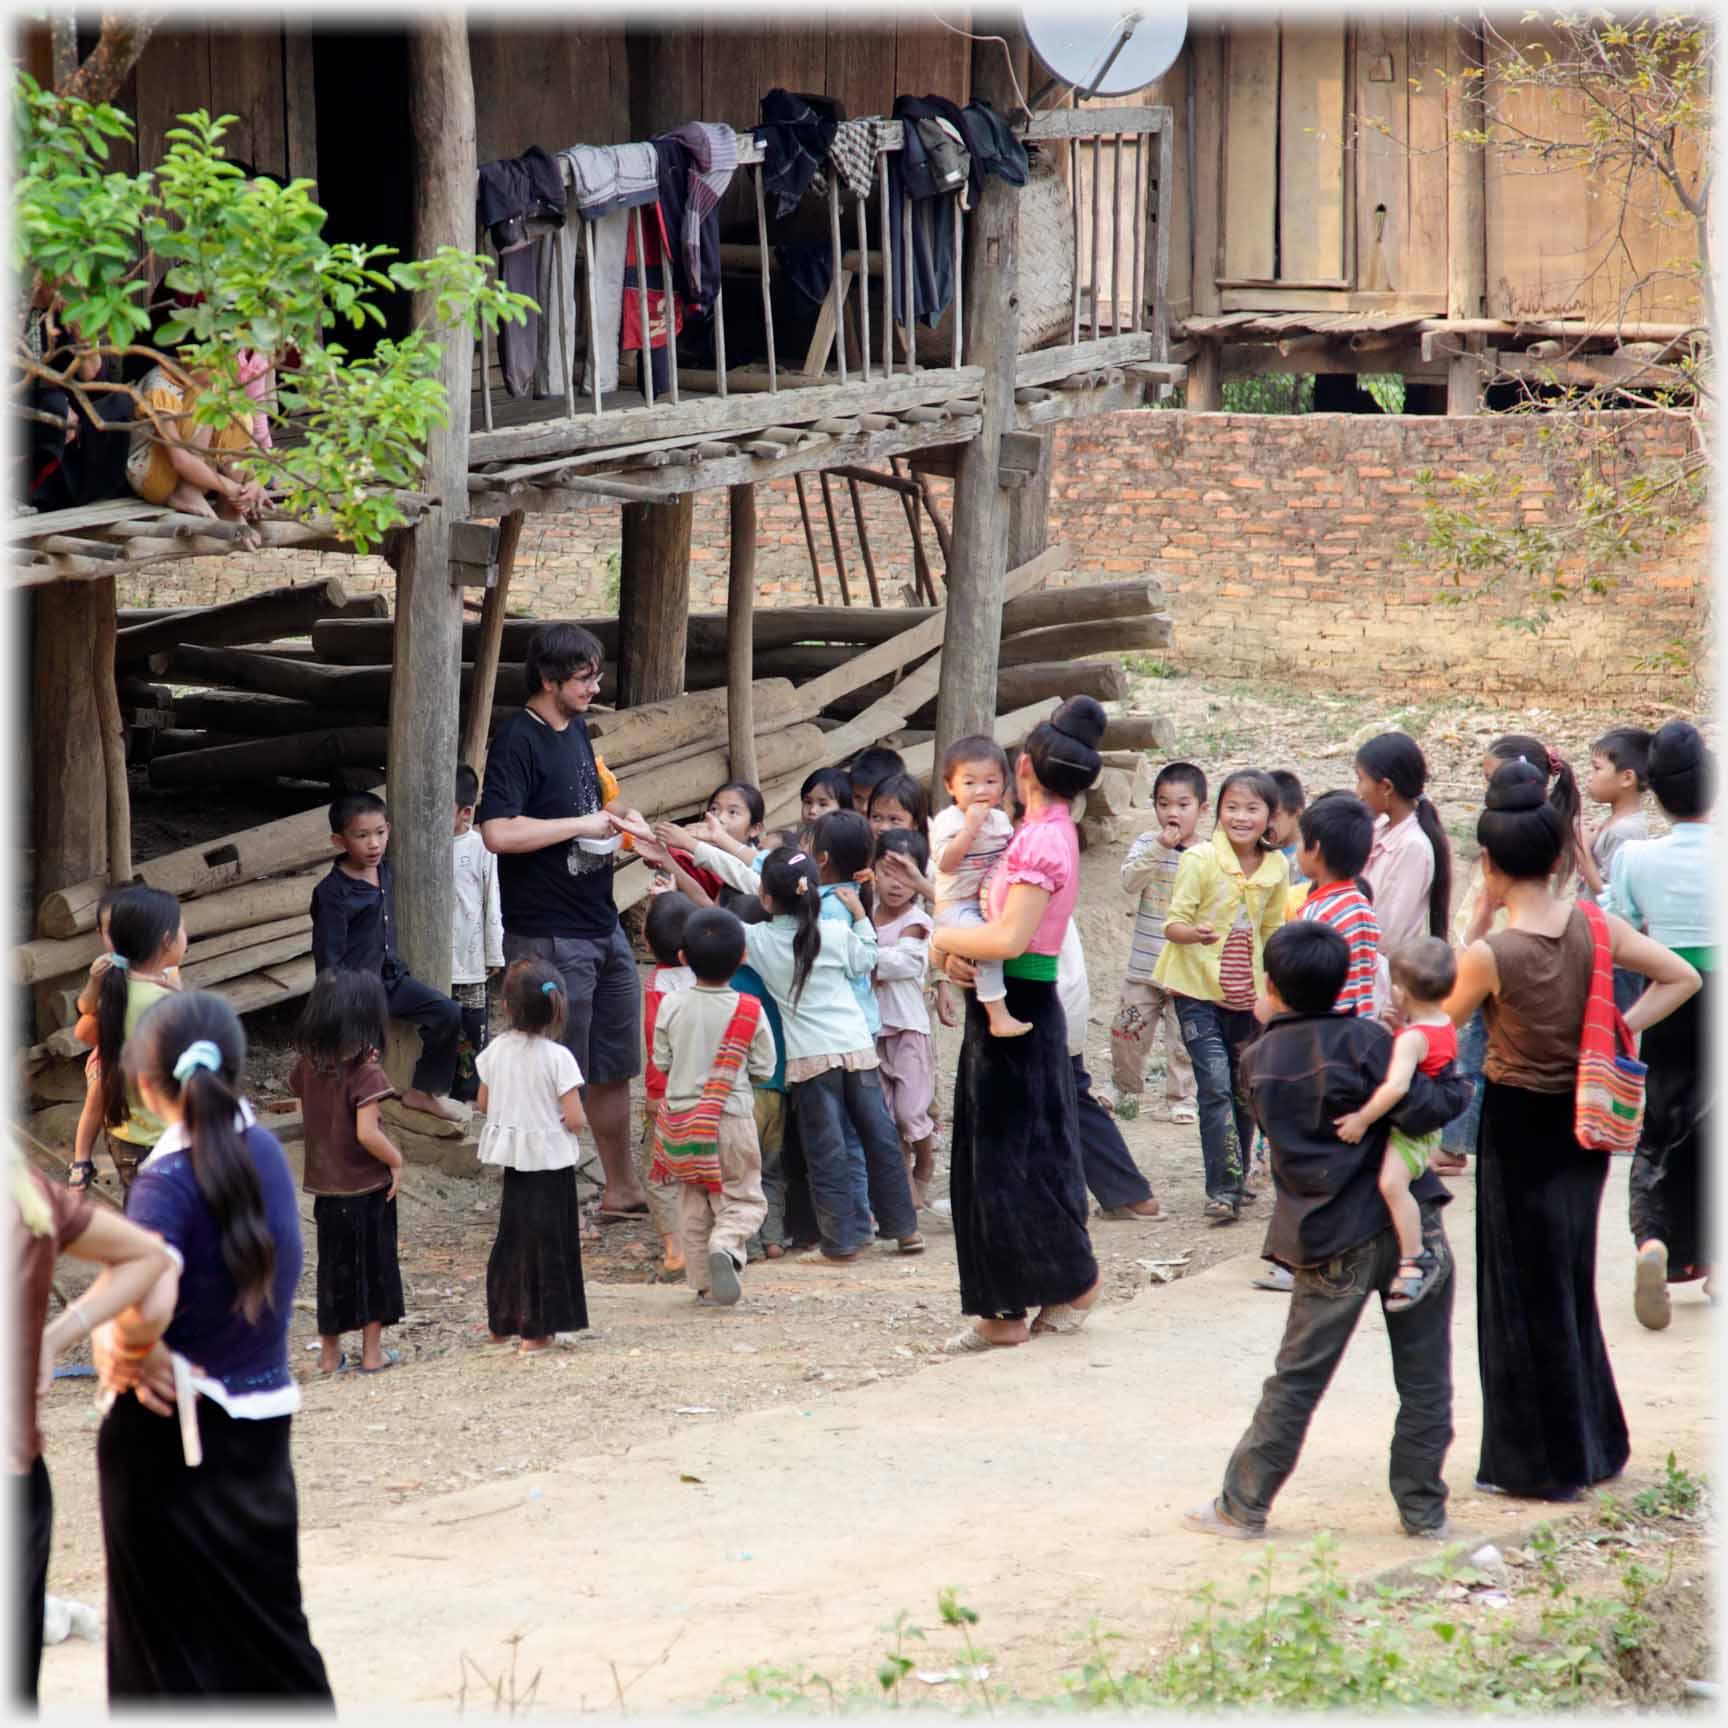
477 937
966 841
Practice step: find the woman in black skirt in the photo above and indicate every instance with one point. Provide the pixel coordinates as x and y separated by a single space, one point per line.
530 1094
200 1518
1552 1424
1017 1183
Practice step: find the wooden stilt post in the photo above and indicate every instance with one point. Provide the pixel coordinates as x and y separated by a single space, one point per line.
978 560
491 646
119 800
425 691
740 637
1466 213
1206 379
654 600
68 806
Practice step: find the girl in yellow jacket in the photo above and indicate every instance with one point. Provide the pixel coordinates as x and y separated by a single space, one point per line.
1228 899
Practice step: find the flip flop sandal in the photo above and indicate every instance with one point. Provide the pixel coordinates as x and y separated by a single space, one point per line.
391 1359
913 1244
971 1342
629 1212
86 1166
1280 1282
1063 1318
1127 1215
340 1368
1210 1521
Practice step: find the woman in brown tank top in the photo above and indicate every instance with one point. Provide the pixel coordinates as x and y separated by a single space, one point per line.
1551 1418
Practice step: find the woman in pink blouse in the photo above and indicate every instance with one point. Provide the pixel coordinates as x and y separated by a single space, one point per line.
1016 1180
1409 869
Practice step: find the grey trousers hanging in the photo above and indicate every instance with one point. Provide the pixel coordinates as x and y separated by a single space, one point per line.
610 236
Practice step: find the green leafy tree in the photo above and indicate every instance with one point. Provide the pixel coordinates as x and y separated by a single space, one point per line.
253 258
1628 100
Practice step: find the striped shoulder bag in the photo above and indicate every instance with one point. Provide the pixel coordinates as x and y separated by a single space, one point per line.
1610 1107
687 1142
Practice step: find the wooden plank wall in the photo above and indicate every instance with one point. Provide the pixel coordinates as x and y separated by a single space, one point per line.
551 87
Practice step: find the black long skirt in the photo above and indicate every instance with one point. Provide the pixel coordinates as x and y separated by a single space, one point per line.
359 1276
203 1564
1670 1182
1551 1416
534 1275
1017 1181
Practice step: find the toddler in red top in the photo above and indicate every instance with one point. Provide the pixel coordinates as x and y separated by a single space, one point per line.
663 931
1423 973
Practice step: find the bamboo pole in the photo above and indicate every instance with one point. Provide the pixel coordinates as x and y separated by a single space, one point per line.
837 285
113 734
767 293
959 278
834 537
593 317
863 287
647 336
887 242
1116 242
809 537
1139 219
864 541
910 296
489 650
1074 223
720 336
1097 227
566 321
485 339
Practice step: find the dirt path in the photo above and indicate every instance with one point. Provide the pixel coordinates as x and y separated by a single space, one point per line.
845 1471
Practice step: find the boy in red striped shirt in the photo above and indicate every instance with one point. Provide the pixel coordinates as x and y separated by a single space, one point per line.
1337 831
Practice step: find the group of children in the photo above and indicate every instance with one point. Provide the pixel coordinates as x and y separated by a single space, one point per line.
790 1077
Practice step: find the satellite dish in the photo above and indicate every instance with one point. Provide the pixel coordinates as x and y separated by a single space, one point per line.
1106 53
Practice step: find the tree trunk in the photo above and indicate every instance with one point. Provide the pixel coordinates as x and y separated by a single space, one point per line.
123 39
654 600
69 802
1466 201
428 659
740 636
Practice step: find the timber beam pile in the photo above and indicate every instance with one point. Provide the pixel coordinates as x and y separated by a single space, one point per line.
215 699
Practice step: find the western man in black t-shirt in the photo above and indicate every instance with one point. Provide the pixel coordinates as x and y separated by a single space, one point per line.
543 799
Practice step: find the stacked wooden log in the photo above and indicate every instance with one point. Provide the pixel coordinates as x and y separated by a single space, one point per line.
294 685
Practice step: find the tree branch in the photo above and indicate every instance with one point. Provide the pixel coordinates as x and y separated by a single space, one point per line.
123 39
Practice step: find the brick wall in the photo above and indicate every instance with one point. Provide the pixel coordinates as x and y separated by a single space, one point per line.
1285 541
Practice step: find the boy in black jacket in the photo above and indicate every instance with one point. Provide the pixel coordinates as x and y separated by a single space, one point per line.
1331 1228
354 927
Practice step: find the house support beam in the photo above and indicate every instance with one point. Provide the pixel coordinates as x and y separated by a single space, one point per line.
654 600
426 689
69 808
740 636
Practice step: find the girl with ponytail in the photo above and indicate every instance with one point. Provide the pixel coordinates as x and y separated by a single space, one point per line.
1017 1183
1552 1424
1562 789
1409 867
145 941
199 1518
811 960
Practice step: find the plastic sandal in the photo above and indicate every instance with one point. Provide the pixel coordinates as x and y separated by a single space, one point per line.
1061 1318
1408 1288
971 1342
391 1358
1209 1520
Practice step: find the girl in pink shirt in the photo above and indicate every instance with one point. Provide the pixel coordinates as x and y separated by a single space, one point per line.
1409 869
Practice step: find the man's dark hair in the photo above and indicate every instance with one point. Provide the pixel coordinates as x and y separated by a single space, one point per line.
713 944
467 787
1291 797
1340 827
1180 774
663 928
557 652
345 809
1307 963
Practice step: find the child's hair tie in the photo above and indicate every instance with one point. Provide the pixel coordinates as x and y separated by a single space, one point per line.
199 1054
1555 760
798 858
119 962
803 884
548 988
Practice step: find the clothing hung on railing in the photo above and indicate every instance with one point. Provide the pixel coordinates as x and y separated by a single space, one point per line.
713 157
665 311
853 155
521 201
796 133
930 180
608 177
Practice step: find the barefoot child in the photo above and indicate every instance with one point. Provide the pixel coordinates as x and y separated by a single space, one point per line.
1423 973
1149 874
354 928
478 946
352 1168
711 1042
967 840
907 1057
663 930
530 1091
147 941
1330 1228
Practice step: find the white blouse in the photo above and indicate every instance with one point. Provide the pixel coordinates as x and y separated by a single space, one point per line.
525 1076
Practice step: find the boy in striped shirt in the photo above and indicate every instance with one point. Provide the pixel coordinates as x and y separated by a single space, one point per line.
1149 874
1337 831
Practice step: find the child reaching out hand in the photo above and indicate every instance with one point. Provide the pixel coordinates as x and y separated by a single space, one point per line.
966 841
1423 973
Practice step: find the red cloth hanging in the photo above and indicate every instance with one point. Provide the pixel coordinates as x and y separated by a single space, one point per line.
659 249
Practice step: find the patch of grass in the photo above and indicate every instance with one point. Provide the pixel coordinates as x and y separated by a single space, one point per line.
1150 666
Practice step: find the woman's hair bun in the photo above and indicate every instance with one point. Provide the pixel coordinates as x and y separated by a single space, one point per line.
1083 719
1517 785
1680 771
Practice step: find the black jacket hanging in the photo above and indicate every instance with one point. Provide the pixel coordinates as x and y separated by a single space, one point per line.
796 134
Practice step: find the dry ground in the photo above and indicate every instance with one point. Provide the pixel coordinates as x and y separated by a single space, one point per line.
481 1494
